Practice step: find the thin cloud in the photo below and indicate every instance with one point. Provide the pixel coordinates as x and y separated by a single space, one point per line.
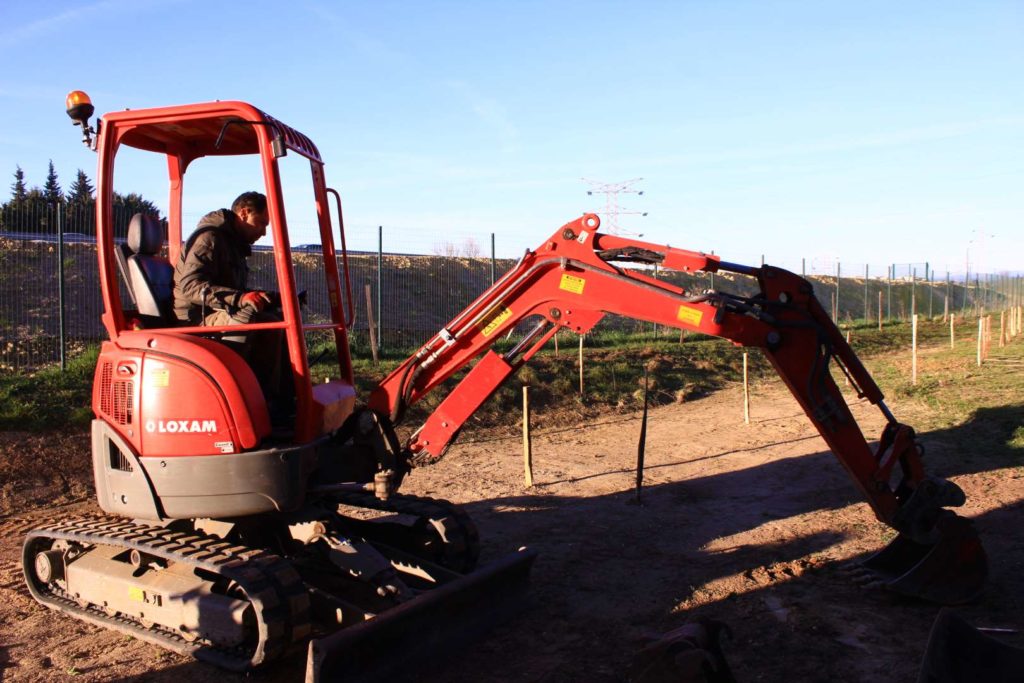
375 51
41 27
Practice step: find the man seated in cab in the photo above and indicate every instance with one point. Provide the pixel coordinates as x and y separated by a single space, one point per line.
211 288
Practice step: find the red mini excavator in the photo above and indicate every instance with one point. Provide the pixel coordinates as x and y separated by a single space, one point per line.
237 540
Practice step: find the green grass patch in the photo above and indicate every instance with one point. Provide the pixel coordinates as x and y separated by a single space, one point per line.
49 398
678 369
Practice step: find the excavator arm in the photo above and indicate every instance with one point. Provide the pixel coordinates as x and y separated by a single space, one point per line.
573 280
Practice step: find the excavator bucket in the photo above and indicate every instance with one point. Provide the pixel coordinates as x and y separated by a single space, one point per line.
950 571
423 630
959 653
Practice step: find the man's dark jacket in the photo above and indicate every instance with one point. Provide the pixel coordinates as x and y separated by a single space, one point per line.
214 258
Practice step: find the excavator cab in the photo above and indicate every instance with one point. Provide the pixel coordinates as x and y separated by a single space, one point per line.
152 362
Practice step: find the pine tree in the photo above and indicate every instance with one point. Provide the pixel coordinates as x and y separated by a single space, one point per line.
51 190
79 211
19 193
81 191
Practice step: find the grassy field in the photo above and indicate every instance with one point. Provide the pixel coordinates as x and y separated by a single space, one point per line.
614 365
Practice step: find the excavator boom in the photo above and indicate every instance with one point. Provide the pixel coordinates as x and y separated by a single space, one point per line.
574 279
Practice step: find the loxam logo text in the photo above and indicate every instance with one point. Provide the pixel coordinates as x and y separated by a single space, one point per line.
181 426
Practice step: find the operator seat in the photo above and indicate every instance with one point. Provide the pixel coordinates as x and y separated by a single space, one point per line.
150 275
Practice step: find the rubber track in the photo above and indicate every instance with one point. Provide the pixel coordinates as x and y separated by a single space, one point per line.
463 545
271 584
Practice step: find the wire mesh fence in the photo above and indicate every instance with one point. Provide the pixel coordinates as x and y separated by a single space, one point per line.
50 303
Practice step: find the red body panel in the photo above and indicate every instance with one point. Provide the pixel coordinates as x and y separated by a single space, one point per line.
174 395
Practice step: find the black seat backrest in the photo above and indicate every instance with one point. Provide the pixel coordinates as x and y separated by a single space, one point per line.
150 275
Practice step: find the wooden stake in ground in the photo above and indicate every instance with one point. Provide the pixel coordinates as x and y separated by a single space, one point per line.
879 311
581 365
746 391
641 446
372 324
913 347
527 443
945 310
846 377
952 334
981 334
988 334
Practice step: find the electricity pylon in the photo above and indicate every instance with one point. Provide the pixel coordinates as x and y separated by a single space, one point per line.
612 210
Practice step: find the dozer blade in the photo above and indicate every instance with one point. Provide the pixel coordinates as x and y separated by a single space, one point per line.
950 571
428 626
959 653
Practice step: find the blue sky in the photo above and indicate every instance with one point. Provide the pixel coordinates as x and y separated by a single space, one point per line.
869 132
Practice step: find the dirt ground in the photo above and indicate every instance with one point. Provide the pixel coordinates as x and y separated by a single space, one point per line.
753 525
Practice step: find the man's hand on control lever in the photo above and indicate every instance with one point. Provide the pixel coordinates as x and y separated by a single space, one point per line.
257 299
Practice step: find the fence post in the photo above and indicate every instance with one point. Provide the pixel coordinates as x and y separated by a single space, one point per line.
952 333
981 328
60 283
380 288
913 292
948 308
988 335
846 377
977 286
913 346
931 296
655 325
370 323
492 258
527 443
746 391
581 365
892 271
838 274
867 311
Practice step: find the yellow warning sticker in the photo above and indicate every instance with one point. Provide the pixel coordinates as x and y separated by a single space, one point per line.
137 594
159 378
571 283
495 320
690 316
